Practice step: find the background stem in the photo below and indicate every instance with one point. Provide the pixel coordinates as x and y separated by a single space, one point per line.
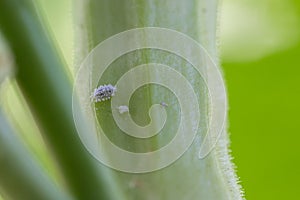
20 176
44 82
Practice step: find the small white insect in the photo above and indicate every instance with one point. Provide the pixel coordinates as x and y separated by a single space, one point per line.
103 93
123 109
164 104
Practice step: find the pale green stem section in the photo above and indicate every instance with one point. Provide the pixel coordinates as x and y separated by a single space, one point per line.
5 60
47 89
189 177
18 113
20 176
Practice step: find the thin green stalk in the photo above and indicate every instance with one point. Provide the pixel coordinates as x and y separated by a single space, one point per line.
189 177
20 176
46 87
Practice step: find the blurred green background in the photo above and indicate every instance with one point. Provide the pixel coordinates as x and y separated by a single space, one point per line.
260 54
261 63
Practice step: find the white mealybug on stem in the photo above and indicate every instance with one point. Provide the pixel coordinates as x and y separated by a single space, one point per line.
123 109
103 93
164 104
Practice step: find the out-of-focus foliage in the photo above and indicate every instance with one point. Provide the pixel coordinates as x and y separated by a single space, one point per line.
261 62
251 30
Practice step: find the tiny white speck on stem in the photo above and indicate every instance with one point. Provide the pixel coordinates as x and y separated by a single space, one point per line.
123 109
164 104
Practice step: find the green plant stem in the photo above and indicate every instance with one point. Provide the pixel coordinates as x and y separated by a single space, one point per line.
189 177
20 176
46 87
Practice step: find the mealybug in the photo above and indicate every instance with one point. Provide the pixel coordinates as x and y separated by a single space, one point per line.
164 104
103 92
123 109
